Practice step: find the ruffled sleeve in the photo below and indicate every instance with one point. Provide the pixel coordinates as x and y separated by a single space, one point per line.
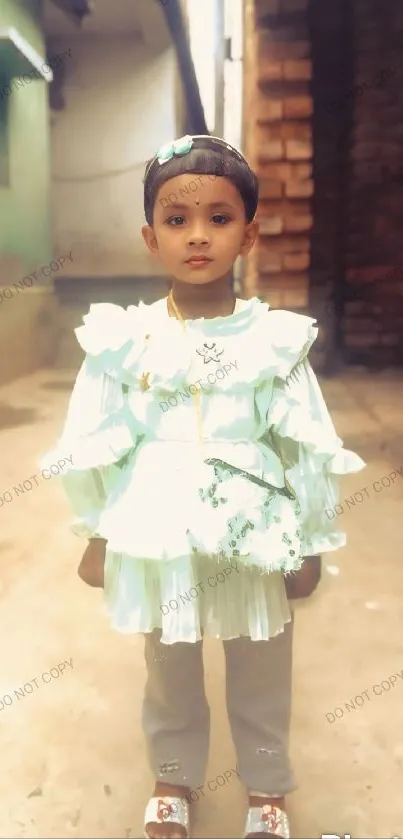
116 337
291 336
303 433
274 343
98 432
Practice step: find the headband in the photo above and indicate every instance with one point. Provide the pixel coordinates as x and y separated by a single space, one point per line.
180 147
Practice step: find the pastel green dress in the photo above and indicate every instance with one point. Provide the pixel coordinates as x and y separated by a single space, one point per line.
204 512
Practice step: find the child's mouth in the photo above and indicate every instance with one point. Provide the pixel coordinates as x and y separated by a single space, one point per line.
198 261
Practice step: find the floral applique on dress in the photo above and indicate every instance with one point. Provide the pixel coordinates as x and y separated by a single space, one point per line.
238 526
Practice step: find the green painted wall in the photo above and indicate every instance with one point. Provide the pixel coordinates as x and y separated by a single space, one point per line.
25 200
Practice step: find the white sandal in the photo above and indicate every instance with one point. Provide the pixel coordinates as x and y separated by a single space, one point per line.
267 819
167 808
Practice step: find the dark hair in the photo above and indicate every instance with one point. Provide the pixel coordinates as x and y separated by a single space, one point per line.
206 157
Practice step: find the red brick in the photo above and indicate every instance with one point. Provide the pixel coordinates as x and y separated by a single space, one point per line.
287 291
368 273
259 292
290 34
271 226
299 189
298 107
296 261
356 307
297 70
298 150
270 71
271 150
302 171
298 224
294 282
354 339
280 207
269 110
267 7
276 171
273 296
391 340
366 151
292 130
292 244
297 31
272 208
270 189
272 50
269 262
360 325
294 5
297 299
266 131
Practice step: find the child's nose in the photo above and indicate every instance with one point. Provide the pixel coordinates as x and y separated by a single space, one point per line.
198 236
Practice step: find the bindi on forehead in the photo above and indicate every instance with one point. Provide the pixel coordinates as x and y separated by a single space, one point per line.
190 186
182 188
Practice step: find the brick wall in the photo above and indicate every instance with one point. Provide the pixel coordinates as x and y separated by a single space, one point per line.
332 74
278 141
372 324
331 173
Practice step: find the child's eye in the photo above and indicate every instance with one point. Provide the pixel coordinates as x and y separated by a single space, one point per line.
175 221
219 218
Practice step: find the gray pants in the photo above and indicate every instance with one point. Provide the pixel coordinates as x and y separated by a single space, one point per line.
176 716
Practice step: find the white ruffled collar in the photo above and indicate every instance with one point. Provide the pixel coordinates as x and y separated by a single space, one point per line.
243 315
146 348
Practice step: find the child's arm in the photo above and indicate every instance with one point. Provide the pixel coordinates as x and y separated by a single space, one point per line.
96 434
313 455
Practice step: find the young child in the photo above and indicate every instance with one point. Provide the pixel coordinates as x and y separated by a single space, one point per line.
203 462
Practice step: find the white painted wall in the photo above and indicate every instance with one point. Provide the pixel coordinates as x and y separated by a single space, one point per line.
120 108
233 73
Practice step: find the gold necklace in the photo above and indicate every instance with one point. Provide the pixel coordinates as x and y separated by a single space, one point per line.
196 396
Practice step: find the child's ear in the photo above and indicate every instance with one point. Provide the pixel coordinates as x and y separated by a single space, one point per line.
150 238
250 235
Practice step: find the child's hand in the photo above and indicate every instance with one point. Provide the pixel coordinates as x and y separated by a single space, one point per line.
304 582
91 567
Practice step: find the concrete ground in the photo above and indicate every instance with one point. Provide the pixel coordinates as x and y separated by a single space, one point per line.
73 762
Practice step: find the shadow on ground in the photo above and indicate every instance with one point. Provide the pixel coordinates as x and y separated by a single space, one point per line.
11 417
67 386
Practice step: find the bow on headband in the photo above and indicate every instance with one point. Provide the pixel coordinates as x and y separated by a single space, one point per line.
178 147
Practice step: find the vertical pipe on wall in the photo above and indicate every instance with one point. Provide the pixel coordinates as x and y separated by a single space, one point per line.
219 30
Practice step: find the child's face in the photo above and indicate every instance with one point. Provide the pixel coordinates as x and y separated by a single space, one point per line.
207 225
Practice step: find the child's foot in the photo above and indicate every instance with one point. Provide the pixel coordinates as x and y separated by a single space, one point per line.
272 821
172 829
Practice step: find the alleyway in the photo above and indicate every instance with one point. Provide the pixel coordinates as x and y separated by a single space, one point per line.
72 756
